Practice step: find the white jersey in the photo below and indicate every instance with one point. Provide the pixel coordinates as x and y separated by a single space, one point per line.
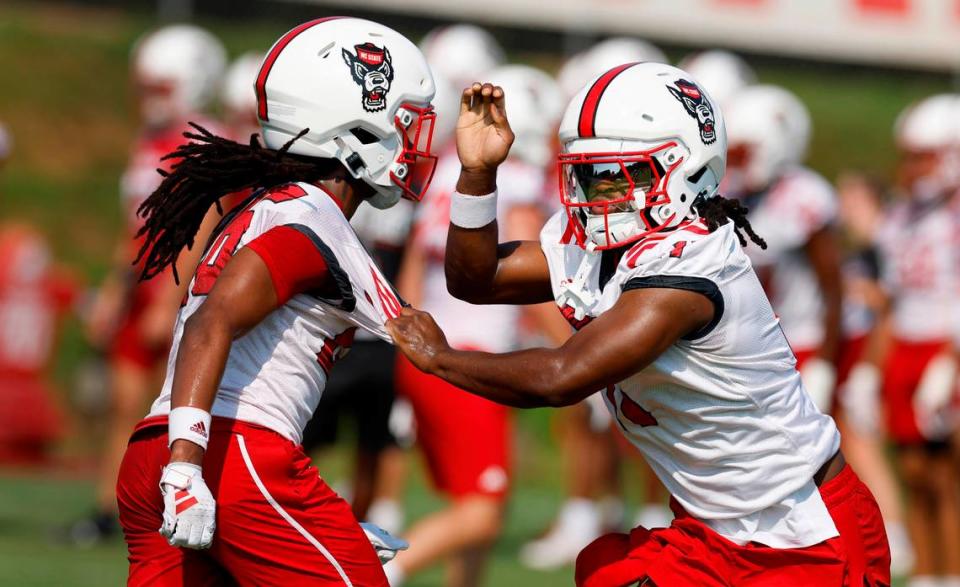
721 416
786 216
920 268
492 328
276 373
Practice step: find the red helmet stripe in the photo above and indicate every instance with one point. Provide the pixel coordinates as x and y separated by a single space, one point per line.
588 112
278 47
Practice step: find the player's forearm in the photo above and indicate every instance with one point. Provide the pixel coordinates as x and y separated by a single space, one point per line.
530 378
471 256
201 359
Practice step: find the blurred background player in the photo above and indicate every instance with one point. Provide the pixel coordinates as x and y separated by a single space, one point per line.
361 389
915 370
176 72
467 440
590 448
768 130
864 444
35 296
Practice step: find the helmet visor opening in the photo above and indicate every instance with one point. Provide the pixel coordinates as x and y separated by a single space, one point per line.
611 187
417 158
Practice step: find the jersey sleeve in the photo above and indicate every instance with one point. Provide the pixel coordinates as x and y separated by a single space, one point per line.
689 260
295 261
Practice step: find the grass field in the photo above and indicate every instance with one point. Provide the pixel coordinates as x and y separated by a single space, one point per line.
64 95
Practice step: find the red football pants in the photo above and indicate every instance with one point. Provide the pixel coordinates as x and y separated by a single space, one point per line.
690 553
278 523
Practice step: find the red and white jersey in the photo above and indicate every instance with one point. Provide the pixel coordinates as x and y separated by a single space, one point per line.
786 216
721 416
34 296
492 328
276 373
920 268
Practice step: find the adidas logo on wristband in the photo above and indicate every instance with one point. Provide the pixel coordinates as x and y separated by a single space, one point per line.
199 428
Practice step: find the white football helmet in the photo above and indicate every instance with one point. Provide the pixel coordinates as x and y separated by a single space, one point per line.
177 70
768 131
236 93
363 90
641 144
462 53
932 125
587 65
534 105
721 72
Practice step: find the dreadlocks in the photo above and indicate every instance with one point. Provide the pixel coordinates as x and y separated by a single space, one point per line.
208 168
717 211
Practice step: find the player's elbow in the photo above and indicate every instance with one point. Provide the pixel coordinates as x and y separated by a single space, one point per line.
464 291
557 388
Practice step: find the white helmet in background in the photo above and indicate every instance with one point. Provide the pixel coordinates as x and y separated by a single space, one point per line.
237 92
462 53
446 104
641 145
721 72
177 70
932 125
363 90
768 131
534 105
587 65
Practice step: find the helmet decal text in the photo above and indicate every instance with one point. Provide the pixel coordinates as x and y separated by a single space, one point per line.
698 106
372 70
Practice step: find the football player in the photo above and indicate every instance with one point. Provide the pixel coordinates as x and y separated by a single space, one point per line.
647 261
917 377
176 71
344 108
796 211
466 439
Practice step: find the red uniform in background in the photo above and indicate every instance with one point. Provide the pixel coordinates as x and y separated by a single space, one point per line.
34 297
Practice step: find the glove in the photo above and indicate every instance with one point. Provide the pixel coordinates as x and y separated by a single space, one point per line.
861 399
819 378
934 394
383 542
189 511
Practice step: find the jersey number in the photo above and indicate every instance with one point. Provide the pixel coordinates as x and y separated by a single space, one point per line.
678 249
225 246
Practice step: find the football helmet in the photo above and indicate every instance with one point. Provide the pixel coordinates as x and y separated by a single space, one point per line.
237 93
641 145
534 106
177 71
462 53
362 92
721 72
587 65
932 127
768 131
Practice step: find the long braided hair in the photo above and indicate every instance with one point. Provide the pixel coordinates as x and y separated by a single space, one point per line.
209 167
717 211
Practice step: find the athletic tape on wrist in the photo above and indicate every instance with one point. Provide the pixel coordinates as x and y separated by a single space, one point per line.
473 211
186 423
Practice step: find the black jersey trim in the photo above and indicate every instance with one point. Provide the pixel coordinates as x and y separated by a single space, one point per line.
700 285
347 301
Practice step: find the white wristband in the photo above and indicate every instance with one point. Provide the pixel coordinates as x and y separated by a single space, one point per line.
473 211
191 424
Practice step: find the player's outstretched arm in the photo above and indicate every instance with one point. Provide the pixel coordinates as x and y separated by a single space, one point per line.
479 269
621 342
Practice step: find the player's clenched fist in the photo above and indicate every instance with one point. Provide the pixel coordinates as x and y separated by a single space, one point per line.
418 337
483 131
189 511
